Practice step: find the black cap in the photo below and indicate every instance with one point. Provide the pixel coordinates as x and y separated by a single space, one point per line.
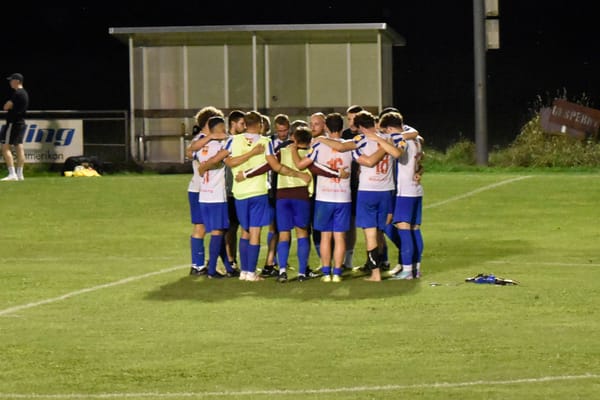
16 76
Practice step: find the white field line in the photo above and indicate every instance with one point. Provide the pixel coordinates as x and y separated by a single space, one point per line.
280 392
558 264
123 281
473 192
11 310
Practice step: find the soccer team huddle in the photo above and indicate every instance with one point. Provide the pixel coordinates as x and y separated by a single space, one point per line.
315 179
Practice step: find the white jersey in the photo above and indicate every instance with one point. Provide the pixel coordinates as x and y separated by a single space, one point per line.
380 177
407 165
334 190
194 185
213 188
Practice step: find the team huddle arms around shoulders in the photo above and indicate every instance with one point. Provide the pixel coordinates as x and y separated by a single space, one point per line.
301 180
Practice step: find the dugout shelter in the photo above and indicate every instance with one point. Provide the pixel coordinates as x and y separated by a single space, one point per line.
292 69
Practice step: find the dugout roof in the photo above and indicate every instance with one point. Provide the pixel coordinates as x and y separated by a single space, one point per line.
283 33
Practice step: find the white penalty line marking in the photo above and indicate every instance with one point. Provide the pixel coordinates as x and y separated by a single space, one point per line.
279 392
558 264
473 192
11 310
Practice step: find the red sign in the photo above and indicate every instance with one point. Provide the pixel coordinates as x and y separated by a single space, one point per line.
575 116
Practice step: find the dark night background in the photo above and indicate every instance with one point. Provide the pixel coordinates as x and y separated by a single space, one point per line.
548 48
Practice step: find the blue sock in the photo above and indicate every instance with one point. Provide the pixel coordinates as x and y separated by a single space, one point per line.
337 271
326 270
244 243
213 253
224 258
384 253
418 240
317 241
303 254
197 246
407 248
283 253
252 257
392 232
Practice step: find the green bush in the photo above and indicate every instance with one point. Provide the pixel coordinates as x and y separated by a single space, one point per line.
535 148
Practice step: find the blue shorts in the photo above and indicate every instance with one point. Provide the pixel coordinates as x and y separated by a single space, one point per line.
193 199
408 209
332 217
215 216
253 211
372 208
292 213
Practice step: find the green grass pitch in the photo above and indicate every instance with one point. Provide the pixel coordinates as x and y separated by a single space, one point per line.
96 301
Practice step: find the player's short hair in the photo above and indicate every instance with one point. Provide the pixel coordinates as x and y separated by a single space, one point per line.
388 110
334 122
253 118
364 119
214 121
393 119
303 135
235 116
205 113
296 124
266 124
354 109
282 119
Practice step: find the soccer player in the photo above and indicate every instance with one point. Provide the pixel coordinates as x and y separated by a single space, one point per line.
332 199
348 134
202 136
409 198
270 266
213 200
251 195
236 123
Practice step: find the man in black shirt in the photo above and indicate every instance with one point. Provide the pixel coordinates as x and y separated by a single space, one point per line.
13 132
349 134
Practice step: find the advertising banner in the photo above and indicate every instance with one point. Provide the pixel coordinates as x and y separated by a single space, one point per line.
52 141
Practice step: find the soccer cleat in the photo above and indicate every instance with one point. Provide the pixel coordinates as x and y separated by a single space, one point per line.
385 265
217 275
282 277
336 279
312 274
234 273
303 278
326 278
197 271
243 275
10 178
268 271
20 177
395 270
402 275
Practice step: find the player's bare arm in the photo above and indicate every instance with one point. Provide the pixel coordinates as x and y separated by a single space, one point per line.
196 145
287 171
234 161
337 145
389 148
300 162
371 159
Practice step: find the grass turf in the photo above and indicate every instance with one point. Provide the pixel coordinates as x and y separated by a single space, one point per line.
167 335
